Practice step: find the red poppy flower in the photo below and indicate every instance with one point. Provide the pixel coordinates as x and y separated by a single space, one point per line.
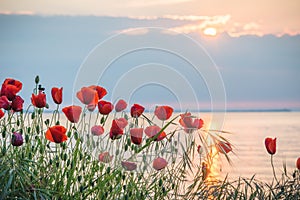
4 103
152 131
39 100
57 95
136 135
270 145
100 91
136 110
72 113
56 134
87 96
105 157
198 123
163 112
298 163
189 123
122 122
223 147
97 130
199 150
129 166
17 139
159 163
115 131
17 104
121 105
1 113
105 107
10 88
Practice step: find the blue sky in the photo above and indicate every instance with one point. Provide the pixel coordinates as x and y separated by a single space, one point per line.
259 65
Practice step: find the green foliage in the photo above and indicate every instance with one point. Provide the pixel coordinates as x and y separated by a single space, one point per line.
40 169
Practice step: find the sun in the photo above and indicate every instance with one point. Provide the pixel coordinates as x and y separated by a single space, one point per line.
210 31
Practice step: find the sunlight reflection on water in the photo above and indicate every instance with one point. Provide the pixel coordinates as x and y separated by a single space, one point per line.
248 133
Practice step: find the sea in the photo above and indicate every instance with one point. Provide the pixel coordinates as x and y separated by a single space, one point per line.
247 132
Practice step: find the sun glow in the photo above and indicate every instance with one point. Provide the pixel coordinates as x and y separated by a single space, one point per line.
210 31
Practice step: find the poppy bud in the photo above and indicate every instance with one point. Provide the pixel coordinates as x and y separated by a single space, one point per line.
199 150
159 163
121 105
37 80
17 139
136 135
57 95
298 163
129 166
270 145
97 130
105 157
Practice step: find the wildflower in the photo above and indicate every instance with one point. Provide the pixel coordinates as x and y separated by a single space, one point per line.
136 110
116 131
129 166
152 131
87 96
199 149
122 122
270 145
4 103
298 163
10 88
97 130
189 123
39 100
17 139
56 134
101 92
121 105
136 135
159 163
72 113
105 157
163 112
57 95
105 107
17 104
1 113
223 147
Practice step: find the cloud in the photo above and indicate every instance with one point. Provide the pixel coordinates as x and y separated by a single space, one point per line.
213 19
238 29
146 3
134 31
202 22
22 12
143 17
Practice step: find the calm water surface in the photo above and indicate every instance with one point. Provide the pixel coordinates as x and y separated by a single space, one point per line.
249 131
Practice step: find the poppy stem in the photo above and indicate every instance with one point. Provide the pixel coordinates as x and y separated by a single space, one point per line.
274 174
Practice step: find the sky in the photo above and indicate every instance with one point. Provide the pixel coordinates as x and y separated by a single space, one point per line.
234 16
199 48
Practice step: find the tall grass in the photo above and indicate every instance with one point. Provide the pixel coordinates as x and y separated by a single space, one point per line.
40 169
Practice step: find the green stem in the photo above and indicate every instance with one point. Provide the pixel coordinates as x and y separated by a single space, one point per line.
274 174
